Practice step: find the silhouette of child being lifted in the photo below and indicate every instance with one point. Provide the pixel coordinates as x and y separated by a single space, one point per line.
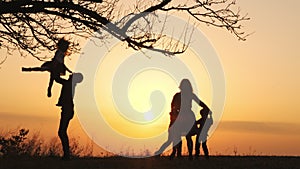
56 66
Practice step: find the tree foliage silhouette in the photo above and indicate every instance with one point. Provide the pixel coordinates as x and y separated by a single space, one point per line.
34 26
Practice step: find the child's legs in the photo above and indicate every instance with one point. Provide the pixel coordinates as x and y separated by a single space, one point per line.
173 152
165 144
197 145
37 69
179 147
176 149
205 149
189 144
47 66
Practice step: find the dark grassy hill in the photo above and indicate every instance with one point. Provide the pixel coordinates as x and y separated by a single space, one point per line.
215 162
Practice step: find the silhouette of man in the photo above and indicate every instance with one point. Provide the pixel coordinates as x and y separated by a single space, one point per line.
67 109
205 123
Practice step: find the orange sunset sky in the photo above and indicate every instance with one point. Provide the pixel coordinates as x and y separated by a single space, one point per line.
261 112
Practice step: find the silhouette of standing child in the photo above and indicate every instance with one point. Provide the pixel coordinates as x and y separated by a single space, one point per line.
205 123
56 66
173 136
67 109
175 108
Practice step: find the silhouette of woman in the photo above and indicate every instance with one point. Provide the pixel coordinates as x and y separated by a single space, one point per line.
186 117
186 120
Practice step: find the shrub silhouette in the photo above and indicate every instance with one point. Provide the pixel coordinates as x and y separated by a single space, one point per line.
14 145
20 144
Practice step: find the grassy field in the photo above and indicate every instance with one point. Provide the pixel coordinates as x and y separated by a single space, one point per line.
215 162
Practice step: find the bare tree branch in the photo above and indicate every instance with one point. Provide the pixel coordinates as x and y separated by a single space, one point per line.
34 26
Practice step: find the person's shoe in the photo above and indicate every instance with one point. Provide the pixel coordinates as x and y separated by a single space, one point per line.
157 156
49 94
65 158
172 156
24 69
